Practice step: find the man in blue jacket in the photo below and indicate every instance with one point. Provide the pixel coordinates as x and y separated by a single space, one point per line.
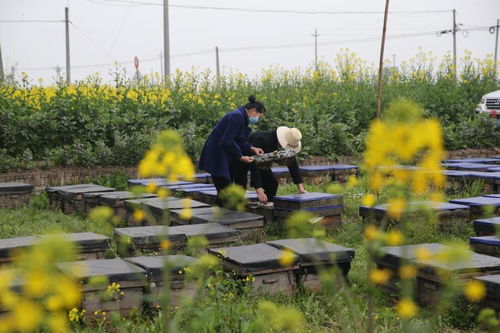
227 145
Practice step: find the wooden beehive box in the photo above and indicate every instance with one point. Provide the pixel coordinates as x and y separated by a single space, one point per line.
489 245
492 299
116 200
154 267
132 280
15 195
259 265
315 255
430 272
478 204
447 213
9 246
89 245
72 198
251 226
55 197
326 173
215 233
487 227
319 204
147 239
489 179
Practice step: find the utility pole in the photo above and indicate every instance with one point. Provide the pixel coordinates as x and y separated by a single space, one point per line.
2 77
380 74
455 42
166 40
161 66
315 34
492 30
68 64
217 65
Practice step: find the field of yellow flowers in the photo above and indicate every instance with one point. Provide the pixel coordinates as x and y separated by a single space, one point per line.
94 123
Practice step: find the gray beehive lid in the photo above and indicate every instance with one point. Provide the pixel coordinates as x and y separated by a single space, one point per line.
9 244
179 204
149 234
152 202
492 283
311 250
208 230
476 262
88 241
224 217
478 201
157 181
111 198
15 188
393 255
51 189
115 270
251 258
81 190
153 265
313 196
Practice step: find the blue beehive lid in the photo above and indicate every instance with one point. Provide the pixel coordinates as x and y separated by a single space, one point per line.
478 201
489 221
310 209
279 170
307 197
198 189
474 160
328 167
487 240
495 169
469 166
485 175
434 205
250 195
203 175
496 195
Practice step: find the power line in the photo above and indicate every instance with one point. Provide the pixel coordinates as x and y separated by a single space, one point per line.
258 10
30 21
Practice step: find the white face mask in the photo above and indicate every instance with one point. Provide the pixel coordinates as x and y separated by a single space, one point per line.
253 120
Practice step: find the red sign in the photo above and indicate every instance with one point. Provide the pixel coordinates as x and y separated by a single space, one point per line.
136 63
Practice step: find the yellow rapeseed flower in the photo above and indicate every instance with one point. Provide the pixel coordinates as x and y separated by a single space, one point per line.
406 308
162 193
395 237
407 271
27 315
369 200
422 254
287 258
37 283
58 323
165 244
396 208
380 276
474 290
138 215
371 233
151 187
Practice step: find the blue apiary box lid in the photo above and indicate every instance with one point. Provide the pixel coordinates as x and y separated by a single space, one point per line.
474 160
486 240
478 201
434 205
489 221
328 167
495 169
202 175
250 195
467 166
198 189
496 195
310 209
279 170
307 197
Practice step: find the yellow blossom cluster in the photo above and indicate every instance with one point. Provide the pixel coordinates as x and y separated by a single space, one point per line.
35 293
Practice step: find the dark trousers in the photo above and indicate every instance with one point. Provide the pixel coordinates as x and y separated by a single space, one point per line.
269 181
240 178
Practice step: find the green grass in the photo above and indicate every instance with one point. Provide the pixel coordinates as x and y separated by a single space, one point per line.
218 312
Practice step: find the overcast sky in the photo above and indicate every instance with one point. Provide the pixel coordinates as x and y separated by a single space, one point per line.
104 31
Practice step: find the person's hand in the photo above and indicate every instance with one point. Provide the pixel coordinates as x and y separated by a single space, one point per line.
261 196
257 151
246 159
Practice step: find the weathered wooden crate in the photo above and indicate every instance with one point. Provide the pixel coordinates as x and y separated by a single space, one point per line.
315 255
492 299
487 227
15 195
131 278
9 246
430 272
154 267
324 173
489 245
55 197
251 226
448 214
139 240
259 265
116 200
478 204
72 198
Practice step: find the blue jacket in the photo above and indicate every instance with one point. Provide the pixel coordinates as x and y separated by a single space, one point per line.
226 144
